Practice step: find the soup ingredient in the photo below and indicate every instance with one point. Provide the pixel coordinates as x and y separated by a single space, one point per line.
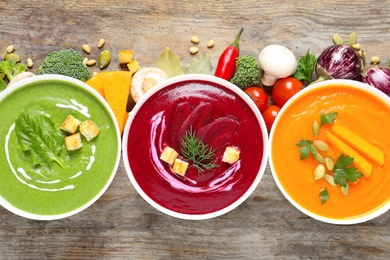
305 68
96 82
73 142
12 56
344 171
259 97
180 167
70 125
343 148
30 63
10 48
169 155
338 62
125 56
284 89
133 66
324 195
116 86
360 144
101 43
319 172
269 115
378 77
200 65
226 65
11 68
328 118
170 63
90 62
247 72
321 145
86 48
210 43
68 62
316 128
200 154
231 155
144 80
329 163
38 136
307 148
89 129
104 59
194 50
20 76
195 39
277 62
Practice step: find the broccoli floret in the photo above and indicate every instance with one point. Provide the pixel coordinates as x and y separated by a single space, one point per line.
11 68
247 72
67 62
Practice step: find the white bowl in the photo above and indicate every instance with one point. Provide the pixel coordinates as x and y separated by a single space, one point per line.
191 197
302 176
60 192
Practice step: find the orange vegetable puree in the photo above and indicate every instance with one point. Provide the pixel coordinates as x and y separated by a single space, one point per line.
361 112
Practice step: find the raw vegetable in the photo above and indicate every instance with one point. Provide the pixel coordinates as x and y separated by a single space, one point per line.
116 86
269 115
226 65
145 79
20 76
378 77
247 73
96 82
68 62
328 118
9 69
38 136
338 62
344 171
284 89
194 150
277 62
324 195
170 63
259 97
343 148
307 147
305 69
360 144
200 65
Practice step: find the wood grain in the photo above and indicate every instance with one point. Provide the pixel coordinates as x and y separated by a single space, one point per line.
121 225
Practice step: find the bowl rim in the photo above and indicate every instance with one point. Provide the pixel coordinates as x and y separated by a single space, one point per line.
54 77
214 80
324 84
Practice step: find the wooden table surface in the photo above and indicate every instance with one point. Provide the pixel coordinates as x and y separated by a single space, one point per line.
121 224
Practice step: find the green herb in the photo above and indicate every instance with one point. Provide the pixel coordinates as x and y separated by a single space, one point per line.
194 150
37 135
170 63
305 67
324 195
328 118
307 147
343 171
200 65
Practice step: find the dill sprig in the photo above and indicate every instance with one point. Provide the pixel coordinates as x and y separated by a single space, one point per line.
194 150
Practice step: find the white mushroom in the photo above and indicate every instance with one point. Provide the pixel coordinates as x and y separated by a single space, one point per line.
145 79
277 62
20 76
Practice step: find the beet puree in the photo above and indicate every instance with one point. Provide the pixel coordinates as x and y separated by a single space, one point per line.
194 193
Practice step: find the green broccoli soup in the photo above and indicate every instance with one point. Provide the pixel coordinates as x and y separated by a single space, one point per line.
47 168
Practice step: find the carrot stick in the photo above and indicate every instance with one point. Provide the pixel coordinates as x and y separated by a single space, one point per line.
364 147
343 148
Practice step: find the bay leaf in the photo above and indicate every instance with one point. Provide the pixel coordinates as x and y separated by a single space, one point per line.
200 65
170 63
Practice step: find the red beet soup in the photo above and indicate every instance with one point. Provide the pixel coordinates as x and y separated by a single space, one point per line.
200 105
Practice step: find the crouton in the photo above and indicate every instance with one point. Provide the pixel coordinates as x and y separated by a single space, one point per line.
73 142
180 167
89 129
169 155
70 125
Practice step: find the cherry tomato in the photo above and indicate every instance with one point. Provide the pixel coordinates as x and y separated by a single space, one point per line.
259 96
270 114
284 89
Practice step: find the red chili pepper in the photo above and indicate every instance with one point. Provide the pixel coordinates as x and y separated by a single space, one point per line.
227 61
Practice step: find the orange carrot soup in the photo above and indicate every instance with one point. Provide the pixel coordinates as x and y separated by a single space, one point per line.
359 130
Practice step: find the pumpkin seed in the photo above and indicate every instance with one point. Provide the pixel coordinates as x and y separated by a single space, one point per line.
329 179
352 39
345 190
104 59
321 145
319 172
12 56
375 60
316 128
101 43
337 39
329 163
10 48
86 48
319 158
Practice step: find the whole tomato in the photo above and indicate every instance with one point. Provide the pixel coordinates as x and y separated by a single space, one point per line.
270 114
284 89
259 96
